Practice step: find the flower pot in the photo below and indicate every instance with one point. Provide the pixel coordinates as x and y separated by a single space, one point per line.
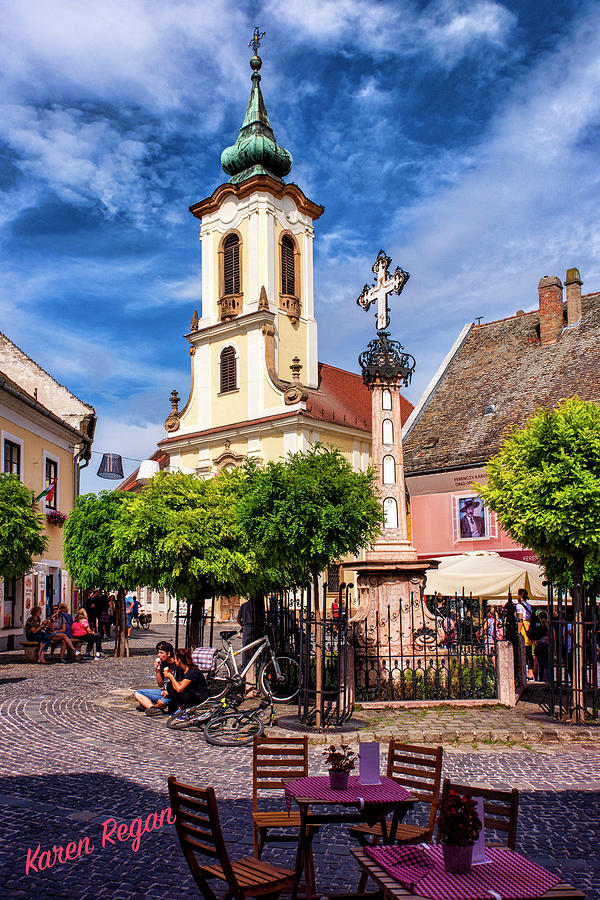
457 860
338 781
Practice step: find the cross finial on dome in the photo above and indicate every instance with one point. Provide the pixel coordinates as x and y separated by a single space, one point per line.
256 39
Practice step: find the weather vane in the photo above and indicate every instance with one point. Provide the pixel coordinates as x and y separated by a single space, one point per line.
255 42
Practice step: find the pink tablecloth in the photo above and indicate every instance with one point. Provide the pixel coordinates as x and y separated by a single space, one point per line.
507 875
374 799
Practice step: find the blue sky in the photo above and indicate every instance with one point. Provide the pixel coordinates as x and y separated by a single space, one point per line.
462 137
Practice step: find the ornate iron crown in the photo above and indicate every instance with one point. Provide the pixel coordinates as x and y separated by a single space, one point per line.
385 361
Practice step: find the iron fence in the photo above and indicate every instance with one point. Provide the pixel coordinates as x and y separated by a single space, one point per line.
445 651
573 653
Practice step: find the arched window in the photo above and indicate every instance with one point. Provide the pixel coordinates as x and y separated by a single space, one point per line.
231 265
228 380
288 272
387 429
389 470
390 511
386 399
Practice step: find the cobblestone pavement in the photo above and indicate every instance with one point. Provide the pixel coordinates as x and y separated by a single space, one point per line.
75 754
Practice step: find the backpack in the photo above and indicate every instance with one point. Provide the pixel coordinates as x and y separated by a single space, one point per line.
536 629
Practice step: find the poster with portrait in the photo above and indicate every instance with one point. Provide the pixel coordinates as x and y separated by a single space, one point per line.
472 520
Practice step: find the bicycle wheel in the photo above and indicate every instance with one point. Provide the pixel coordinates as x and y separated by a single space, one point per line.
233 729
135 622
219 682
145 623
284 689
196 715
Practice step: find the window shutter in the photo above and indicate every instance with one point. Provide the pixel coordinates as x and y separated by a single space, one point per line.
228 370
288 274
231 265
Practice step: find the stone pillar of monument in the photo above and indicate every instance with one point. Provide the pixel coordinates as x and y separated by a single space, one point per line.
391 577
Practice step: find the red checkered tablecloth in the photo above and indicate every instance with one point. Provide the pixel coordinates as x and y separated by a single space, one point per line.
374 799
506 875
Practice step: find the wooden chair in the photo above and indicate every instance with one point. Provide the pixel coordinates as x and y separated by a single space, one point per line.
199 832
500 809
274 759
419 770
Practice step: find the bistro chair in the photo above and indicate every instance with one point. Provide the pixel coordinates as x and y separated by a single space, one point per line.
275 759
500 809
419 770
199 832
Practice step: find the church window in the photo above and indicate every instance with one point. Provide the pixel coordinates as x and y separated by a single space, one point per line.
228 370
390 512
386 399
288 272
388 431
231 265
333 579
389 470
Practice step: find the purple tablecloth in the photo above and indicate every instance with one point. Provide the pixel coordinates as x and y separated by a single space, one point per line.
374 799
506 875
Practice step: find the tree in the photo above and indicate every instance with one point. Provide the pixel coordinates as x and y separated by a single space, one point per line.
21 525
183 536
544 485
92 554
307 511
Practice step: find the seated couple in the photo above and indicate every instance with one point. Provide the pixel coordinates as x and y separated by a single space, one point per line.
180 683
53 630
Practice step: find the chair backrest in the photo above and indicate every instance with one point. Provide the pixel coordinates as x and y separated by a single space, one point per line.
500 808
199 832
419 770
274 759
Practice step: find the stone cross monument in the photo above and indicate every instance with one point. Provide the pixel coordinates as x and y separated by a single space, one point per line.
391 574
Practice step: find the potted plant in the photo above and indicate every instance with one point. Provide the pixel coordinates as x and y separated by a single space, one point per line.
54 517
458 829
340 762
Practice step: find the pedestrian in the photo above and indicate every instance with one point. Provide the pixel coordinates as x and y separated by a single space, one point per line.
523 628
90 606
523 604
245 619
542 646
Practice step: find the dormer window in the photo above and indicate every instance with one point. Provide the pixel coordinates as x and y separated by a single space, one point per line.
228 373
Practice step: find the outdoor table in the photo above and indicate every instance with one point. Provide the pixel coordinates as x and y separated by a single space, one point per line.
364 803
392 889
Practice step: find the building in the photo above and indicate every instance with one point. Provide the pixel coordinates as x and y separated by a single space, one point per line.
46 435
494 377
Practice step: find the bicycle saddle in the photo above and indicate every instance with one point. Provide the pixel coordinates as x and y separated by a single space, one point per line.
227 634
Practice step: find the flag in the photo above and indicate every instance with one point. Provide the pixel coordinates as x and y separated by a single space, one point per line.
47 493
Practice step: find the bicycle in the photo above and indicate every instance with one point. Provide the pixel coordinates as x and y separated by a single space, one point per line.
142 619
279 677
200 714
235 728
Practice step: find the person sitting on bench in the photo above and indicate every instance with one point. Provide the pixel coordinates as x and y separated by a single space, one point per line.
35 630
81 629
59 634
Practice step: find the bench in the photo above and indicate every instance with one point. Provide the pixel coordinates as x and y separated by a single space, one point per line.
30 650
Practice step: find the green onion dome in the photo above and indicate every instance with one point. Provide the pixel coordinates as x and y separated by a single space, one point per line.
256 152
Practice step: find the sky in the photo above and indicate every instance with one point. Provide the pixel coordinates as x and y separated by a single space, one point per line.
461 137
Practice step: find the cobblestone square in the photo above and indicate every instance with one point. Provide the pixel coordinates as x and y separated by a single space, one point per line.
76 756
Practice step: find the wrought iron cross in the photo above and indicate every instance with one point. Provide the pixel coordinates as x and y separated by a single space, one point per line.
255 42
384 284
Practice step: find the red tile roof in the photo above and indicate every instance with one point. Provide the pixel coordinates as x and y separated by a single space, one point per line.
343 399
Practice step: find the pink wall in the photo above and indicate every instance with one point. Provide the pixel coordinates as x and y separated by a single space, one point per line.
435 530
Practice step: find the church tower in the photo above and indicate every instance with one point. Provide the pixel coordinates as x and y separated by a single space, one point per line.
257 388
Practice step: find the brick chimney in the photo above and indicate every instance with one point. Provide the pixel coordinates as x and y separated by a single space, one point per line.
573 285
551 308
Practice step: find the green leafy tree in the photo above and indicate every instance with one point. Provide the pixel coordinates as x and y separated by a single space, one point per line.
544 485
21 526
183 536
307 511
92 554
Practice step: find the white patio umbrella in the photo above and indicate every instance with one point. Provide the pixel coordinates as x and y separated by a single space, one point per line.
487 575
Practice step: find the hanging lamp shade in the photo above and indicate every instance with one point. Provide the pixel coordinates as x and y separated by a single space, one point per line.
111 467
147 470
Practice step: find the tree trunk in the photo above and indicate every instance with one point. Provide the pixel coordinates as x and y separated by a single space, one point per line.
121 639
578 674
195 621
318 650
